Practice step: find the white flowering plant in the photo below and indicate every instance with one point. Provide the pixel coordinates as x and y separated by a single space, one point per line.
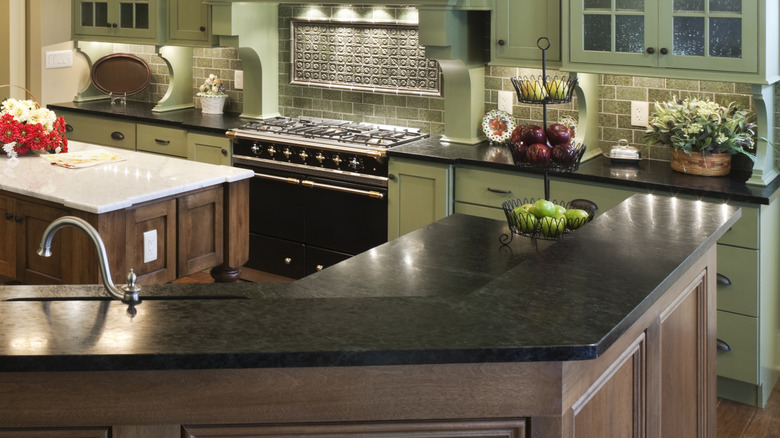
700 125
212 86
25 126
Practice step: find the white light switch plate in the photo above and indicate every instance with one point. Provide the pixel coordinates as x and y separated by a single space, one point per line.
505 99
238 80
59 59
150 246
640 113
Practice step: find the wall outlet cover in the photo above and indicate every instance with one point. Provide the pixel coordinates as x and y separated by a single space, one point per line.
640 113
505 100
150 246
238 80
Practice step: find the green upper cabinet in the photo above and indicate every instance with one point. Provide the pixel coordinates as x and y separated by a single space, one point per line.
189 23
516 28
689 39
117 20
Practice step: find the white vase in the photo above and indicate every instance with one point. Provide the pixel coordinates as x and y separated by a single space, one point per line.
212 104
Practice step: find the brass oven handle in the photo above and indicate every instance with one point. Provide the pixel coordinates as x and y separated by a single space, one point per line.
295 181
369 193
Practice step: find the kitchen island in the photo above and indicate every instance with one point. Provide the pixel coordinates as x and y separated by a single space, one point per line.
194 216
442 330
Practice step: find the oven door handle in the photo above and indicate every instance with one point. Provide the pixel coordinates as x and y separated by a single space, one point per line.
288 180
369 193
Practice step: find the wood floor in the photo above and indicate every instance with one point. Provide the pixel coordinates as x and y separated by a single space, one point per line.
735 420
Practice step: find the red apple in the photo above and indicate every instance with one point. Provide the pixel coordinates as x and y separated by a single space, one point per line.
558 134
531 134
564 154
519 152
517 134
538 154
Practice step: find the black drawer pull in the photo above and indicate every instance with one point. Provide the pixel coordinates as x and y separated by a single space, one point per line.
722 346
224 152
18 219
723 280
116 135
9 216
162 142
503 192
68 127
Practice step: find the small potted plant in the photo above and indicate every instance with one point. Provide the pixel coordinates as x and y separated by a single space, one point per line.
212 95
703 134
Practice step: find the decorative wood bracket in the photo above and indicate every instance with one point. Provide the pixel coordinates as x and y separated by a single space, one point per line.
764 170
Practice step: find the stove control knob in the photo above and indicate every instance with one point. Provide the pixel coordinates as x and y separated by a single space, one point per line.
287 152
336 159
320 158
255 148
355 164
303 155
271 150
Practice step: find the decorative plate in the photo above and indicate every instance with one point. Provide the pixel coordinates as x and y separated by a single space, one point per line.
498 126
120 73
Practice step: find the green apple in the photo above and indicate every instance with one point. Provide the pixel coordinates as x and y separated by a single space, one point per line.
527 222
576 218
532 90
527 207
551 226
542 208
560 210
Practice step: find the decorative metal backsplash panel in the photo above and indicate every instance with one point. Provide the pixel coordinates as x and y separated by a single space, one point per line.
366 56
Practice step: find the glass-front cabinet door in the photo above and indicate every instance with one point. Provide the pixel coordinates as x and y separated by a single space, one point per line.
690 34
112 19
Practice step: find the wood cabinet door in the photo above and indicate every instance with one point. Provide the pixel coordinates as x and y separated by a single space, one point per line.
200 232
159 217
34 269
7 237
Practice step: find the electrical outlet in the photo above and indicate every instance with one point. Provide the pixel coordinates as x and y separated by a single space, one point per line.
640 113
150 246
505 99
238 80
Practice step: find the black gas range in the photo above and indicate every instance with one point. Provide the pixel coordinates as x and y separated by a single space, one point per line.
319 194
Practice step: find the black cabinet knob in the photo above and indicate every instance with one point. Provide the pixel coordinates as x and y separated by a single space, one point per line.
723 346
203 28
114 25
650 50
664 51
224 152
68 127
8 216
116 135
501 42
18 219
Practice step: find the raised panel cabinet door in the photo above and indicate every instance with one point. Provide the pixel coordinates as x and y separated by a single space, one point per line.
157 220
212 149
418 193
200 232
512 428
189 22
31 268
7 237
517 26
91 17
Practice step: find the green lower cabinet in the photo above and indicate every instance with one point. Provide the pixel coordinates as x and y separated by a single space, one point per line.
161 140
205 148
418 193
102 131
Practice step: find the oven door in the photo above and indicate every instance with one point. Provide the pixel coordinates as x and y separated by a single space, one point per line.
344 216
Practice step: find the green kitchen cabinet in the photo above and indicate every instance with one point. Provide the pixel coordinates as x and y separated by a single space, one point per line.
516 27
688 39
419 193
189 23
130 21
205 148
161 140
102 131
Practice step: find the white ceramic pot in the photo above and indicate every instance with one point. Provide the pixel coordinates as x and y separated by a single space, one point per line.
212 104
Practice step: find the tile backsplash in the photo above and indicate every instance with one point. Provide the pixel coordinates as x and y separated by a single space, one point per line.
427 113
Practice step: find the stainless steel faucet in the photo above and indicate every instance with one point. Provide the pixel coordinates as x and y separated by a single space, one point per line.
128 293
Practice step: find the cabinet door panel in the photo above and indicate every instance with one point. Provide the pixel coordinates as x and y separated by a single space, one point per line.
189 22
417 194
161 217
32 268
740 332
517 26
212 149
200 232
7 237
100 131
740 266
162 140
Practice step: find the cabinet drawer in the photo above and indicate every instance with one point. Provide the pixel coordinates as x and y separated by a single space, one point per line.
605 197
276 256
480 210
745 232
740 266
492 188
741 334
100 131
161 140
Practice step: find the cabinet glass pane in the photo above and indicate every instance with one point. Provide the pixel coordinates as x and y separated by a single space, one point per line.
126 15
142 16
597 33
726 37
630 5
630 33
689 36
726 6
86 14
597 4
689 5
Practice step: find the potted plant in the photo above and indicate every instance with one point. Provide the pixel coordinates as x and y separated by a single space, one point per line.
703 134
212 95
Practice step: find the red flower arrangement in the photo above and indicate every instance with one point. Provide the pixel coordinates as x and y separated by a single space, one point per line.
25 126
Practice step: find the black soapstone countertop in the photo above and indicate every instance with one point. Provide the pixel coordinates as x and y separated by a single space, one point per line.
446 293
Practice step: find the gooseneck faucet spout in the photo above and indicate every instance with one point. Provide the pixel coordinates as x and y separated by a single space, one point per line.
127 294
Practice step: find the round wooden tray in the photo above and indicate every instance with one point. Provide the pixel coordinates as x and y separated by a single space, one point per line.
120 74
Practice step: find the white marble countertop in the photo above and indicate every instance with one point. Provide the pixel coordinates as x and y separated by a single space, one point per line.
113 186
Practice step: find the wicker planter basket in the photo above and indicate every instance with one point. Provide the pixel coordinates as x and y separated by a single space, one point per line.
698 164
212 104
